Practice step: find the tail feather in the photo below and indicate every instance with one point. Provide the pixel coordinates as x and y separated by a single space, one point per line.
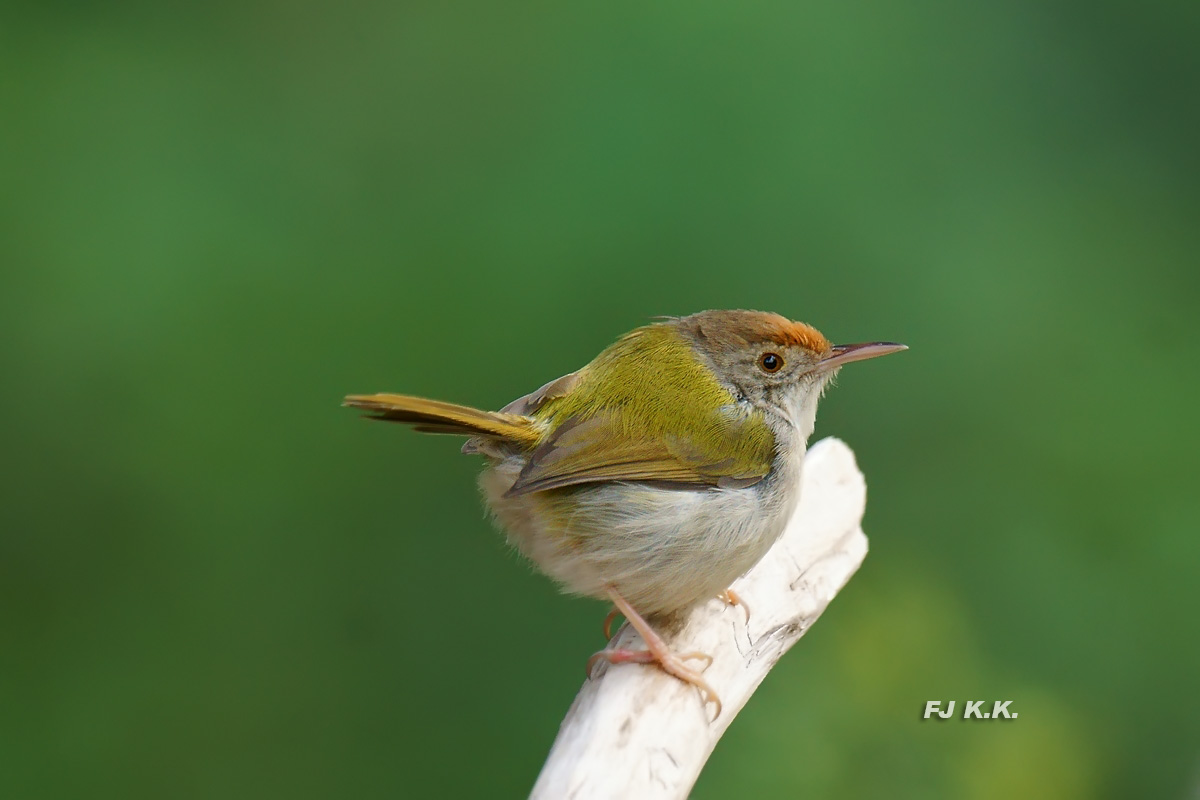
434 416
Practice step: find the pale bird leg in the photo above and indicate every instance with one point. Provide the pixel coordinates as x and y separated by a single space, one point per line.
656 652
734 599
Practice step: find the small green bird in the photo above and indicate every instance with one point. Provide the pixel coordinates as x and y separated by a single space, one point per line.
660 472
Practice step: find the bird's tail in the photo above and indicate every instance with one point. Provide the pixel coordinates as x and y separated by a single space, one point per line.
434 416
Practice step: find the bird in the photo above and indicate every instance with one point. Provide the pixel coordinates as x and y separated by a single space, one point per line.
657 474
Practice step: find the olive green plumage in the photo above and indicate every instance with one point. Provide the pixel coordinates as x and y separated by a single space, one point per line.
645 409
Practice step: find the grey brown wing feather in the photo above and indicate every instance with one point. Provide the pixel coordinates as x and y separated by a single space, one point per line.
559 387
592 450
529 403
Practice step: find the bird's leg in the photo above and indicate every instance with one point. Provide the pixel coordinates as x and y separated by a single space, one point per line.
656 652
729 596
734 599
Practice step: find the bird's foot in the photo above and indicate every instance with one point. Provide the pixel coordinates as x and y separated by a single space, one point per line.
656 652
734 599
671 663
608 621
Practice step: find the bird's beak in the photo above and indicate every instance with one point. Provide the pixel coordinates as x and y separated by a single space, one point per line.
845 353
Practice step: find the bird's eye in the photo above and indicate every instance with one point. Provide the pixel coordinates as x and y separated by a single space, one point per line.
770 362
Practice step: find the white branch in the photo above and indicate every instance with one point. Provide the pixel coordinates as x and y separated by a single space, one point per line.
634 731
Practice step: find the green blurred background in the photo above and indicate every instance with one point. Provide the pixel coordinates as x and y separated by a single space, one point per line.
216 220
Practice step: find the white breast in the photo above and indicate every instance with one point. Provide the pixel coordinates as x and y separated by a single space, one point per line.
663 549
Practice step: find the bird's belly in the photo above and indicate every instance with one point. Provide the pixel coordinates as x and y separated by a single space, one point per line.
663 549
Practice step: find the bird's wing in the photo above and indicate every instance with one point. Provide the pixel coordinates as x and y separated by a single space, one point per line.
735 450
530 403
